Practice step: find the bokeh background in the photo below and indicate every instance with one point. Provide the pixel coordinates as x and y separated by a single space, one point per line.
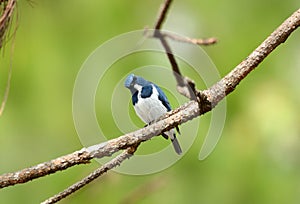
257 158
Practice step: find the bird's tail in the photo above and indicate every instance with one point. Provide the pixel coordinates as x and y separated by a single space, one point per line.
176 145
172 135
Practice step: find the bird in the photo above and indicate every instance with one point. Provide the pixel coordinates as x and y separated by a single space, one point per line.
150 103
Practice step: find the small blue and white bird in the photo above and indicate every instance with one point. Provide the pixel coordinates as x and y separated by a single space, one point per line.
150 103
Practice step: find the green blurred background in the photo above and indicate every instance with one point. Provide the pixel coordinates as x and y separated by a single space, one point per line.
257 158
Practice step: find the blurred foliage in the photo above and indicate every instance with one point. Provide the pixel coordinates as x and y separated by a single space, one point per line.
256 159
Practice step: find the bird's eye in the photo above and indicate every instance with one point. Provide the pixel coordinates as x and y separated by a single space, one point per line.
133 81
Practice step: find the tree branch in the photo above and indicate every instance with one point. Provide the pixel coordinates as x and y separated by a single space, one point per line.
46 168
100 171
83 156
228 83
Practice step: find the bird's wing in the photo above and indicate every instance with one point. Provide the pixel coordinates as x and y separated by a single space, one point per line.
163 98
134 98
146 91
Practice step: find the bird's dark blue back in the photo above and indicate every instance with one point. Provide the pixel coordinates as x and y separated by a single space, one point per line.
163 98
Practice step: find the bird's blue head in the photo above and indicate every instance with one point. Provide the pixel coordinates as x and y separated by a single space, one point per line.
132 80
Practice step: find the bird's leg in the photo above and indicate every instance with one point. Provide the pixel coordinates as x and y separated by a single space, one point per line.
150 123
177 128
164 135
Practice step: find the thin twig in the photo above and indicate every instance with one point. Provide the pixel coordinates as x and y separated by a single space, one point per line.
98 172
7 88
5 19
162 14
182 85
195 41
185 86
172 60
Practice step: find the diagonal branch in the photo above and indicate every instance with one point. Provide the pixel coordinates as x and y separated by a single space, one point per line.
228 83
211 97
83 156
157 33
100 171
46 168
185 86
162 14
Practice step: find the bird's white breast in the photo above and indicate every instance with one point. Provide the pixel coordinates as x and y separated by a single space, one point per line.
151 108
